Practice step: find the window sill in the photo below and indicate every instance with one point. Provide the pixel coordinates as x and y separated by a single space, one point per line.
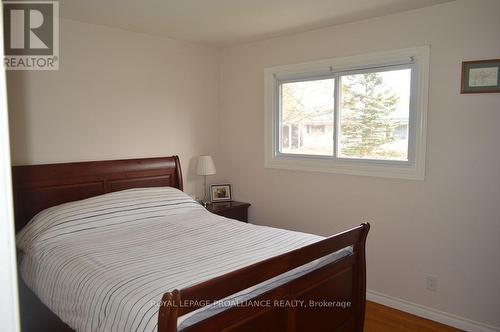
396 170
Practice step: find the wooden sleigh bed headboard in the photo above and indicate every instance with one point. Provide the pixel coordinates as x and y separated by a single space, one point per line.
37 187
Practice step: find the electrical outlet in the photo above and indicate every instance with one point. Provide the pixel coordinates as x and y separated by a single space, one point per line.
431 283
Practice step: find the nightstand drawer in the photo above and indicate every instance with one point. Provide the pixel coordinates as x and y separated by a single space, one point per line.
233 210
238 214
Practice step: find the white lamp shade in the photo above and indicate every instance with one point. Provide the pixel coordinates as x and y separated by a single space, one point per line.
205 166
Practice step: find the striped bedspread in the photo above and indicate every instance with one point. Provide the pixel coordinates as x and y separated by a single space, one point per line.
101 264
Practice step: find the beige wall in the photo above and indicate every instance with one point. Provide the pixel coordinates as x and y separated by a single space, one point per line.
121 94
117 94
446 226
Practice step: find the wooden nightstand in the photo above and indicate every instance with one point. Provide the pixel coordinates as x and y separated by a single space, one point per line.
234 210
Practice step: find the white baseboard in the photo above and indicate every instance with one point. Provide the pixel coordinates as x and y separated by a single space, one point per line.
430 313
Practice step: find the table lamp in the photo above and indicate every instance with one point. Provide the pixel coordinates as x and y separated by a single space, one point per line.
205 167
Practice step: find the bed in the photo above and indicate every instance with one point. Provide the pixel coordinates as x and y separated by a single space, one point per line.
117 246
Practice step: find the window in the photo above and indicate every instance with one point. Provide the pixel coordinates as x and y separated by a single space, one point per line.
361 115
306 117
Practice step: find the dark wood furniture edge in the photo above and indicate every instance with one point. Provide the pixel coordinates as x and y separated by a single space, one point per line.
232 207
233 282
234 210
37 187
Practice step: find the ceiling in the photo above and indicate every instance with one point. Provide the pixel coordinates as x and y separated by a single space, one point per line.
225 22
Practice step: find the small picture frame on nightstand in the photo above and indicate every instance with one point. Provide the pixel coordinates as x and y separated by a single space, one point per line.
220 192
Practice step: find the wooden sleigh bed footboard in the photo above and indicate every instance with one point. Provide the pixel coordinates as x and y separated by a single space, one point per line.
330 298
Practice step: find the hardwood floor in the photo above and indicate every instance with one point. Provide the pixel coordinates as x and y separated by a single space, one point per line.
380 318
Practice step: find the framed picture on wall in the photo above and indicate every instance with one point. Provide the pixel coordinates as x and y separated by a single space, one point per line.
220 192
482 76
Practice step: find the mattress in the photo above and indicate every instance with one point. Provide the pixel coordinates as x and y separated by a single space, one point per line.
103 263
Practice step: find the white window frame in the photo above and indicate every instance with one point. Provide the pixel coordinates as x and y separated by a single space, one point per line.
416 58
